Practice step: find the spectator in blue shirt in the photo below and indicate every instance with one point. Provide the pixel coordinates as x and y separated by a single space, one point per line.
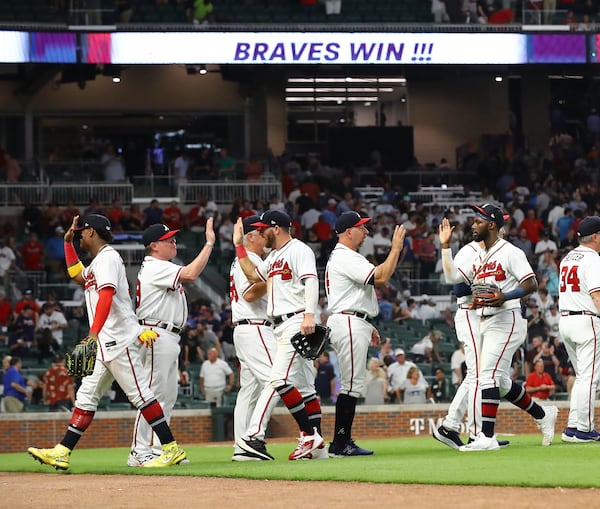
15 388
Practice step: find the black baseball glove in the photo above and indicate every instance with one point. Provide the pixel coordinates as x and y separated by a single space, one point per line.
311 346
80 362
482 293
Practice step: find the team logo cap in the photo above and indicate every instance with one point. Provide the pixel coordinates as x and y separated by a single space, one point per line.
95 221
349 219
157 232
589 226
249 224
490 213
273 218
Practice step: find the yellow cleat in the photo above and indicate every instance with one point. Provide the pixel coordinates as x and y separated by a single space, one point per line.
58 457
172 454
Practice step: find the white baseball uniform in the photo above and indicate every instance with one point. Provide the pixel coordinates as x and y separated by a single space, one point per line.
284 271
255 346
580 330
502 329
161 305
119 351
349 285
466 325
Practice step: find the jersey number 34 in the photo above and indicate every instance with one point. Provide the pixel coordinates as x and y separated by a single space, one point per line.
568 276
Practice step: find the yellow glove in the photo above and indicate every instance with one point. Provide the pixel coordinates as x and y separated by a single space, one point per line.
148 337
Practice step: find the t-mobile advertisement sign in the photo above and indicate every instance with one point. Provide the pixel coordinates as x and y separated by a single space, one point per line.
557 48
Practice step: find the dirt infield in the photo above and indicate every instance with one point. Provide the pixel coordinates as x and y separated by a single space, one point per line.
144 492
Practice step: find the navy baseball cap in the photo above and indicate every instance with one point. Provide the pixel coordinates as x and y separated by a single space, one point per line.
589 226
349 219
490 213
250 224
273 218
157 232
95 221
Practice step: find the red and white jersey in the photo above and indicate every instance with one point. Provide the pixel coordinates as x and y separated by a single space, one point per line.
241 309
467 256
121 328
579 277
503 265
159 294
283 270
347 282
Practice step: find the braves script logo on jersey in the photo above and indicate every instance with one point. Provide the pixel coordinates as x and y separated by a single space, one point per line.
491 269
280 268
90 281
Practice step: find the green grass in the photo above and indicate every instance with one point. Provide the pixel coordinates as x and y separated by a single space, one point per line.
416 460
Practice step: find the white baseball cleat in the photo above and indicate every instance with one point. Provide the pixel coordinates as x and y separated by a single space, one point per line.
547 424
306 445
136 459
481 443
320 453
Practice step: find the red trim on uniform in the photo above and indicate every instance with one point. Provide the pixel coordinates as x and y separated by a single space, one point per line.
592 393
505 347
592 290
262 415
292 398
467 280
475 404
135 379
366 281
81 419
264 345
176 281
351 356
153 412
531 274
304 276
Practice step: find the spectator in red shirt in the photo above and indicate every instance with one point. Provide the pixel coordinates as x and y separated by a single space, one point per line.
539 384
58 387
32 252
114 212
27 300
532 225
5 309
323 229
173 216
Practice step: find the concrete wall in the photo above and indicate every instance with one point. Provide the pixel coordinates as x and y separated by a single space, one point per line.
447 113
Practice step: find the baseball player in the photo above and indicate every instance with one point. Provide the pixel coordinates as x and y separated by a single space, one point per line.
121 341
253 338
290 273
161 306
350 281
466 322
502 328
579 300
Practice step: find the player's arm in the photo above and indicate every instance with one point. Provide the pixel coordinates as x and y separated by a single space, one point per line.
384 272
596 299
231 383
526 287
192 270
74 265
451 275
311 301
255 292
246 264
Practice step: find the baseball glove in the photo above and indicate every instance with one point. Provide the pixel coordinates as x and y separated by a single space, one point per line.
311 346
482 293
80 362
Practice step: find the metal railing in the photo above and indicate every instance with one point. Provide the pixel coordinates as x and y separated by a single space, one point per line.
227 192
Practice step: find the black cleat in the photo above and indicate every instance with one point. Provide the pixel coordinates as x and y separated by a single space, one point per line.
348 449
448 437
256 448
